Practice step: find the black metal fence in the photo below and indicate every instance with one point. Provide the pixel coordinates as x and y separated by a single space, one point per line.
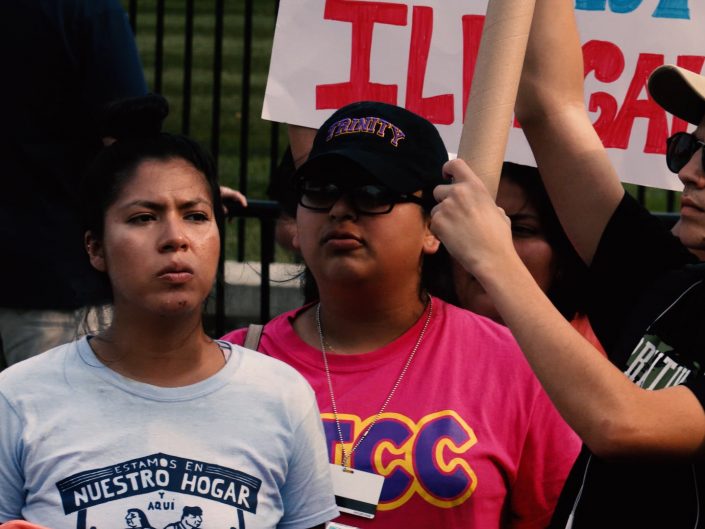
193 57
210 58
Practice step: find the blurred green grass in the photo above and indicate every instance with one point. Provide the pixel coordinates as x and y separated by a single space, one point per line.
202 81
656 200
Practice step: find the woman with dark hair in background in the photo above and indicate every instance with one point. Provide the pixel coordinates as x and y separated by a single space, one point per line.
431 403
152 404
543 247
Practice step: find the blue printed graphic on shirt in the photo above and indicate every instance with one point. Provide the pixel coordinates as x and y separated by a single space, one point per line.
162 478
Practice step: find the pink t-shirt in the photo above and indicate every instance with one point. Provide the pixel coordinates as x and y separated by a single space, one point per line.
581 323
469 440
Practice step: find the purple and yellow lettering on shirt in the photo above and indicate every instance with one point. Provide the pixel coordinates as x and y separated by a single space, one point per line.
427 457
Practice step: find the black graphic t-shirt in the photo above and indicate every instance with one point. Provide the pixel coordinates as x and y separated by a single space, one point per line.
648 309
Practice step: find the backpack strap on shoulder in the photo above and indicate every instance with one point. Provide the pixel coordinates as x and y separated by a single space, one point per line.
254 333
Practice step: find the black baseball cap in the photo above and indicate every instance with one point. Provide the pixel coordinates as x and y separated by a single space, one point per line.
397 147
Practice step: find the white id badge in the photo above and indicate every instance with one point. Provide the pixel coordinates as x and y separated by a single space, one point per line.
338 525
356 491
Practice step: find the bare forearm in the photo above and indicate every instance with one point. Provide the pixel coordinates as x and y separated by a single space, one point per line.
553 65
578 175
613 416
586 388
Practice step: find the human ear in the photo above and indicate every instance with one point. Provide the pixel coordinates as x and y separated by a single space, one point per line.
295 243
95 251
431 243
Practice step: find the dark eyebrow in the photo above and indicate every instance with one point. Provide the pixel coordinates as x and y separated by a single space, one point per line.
158 206
147 204
195 202
519 215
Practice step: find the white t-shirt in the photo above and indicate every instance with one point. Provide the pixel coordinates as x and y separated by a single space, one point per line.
84 447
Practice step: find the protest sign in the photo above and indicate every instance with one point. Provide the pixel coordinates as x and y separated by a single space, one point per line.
421 55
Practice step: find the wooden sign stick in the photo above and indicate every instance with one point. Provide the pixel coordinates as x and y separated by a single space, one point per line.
488 118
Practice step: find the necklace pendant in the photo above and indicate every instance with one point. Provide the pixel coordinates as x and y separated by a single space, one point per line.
357 492
338 525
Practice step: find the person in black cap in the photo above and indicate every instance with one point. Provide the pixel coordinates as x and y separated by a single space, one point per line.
641 414
411 388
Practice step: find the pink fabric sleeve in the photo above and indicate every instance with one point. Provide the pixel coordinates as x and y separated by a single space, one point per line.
581 323
550 450
237 336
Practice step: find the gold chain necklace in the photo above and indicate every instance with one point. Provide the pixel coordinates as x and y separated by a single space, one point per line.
346 456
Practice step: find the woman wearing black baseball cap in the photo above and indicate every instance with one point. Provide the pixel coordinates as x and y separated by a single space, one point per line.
432 415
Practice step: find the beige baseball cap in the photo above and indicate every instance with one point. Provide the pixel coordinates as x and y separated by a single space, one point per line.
679 91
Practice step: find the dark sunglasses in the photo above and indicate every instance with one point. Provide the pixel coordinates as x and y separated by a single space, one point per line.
680 148
370 199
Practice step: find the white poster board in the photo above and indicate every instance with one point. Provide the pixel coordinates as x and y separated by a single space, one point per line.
421 55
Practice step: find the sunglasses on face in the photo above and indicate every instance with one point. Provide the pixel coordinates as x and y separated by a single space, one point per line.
370 199
680 148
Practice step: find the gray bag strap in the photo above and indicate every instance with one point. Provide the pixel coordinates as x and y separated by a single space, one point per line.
254 332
